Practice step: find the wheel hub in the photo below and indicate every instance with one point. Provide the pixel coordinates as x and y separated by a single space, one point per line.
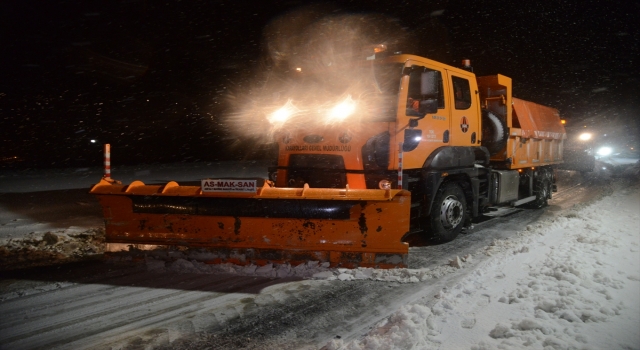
451 212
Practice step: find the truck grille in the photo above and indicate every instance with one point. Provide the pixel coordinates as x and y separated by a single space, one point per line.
317 170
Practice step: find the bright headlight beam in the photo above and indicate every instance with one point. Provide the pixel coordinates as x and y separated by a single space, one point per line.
283 114
604 151
585 136
342 110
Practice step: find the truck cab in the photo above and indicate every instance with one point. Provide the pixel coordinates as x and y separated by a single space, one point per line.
459 143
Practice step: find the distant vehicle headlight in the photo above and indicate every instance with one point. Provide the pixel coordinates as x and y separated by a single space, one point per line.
604 151
585 136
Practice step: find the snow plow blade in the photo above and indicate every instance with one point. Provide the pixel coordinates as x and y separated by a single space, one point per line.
348 228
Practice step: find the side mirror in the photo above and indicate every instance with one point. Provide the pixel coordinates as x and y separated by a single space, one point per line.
429 89
429 84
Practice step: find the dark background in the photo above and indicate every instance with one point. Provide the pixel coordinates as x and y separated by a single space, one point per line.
156 78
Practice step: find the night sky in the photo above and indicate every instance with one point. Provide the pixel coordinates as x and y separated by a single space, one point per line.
157 78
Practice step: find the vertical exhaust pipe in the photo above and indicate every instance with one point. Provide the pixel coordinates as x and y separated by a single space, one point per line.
107 162
400 166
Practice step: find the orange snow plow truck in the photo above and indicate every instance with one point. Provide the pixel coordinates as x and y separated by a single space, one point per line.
369 154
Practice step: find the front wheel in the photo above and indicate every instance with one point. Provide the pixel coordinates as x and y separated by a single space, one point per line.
448 214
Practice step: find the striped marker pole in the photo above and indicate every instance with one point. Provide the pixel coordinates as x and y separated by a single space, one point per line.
400 166
107 161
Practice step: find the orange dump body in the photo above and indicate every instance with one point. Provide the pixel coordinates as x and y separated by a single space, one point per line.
345 227
536 133
537 136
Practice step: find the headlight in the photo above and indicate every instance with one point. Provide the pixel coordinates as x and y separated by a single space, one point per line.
342 110
604 151
283 114
585 136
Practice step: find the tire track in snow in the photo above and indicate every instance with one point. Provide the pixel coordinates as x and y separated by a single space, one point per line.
128 301
333 309
47 301
129 308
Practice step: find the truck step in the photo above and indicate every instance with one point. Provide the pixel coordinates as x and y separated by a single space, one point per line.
502 211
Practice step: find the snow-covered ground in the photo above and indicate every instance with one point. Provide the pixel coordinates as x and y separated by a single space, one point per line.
568 281
571 282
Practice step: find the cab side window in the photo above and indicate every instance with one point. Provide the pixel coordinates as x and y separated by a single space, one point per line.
461 93
414 93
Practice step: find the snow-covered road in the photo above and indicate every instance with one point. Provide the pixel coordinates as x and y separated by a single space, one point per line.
569 281
564 277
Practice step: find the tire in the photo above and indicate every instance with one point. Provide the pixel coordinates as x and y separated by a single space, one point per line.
494 132
448 214
542 190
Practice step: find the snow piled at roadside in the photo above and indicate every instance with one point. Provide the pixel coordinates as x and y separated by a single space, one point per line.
572 282
52 247
311 269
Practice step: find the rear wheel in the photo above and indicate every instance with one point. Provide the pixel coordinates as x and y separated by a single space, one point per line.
448 214
542 191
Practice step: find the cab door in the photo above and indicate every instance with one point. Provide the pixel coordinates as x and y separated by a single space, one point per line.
464 123
422 132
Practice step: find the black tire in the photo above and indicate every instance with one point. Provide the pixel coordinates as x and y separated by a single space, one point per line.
448 214
494 132
542 191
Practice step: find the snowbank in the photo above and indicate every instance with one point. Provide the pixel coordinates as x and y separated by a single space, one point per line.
52 247
312 269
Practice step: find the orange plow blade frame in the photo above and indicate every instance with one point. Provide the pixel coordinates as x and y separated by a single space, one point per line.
347 228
